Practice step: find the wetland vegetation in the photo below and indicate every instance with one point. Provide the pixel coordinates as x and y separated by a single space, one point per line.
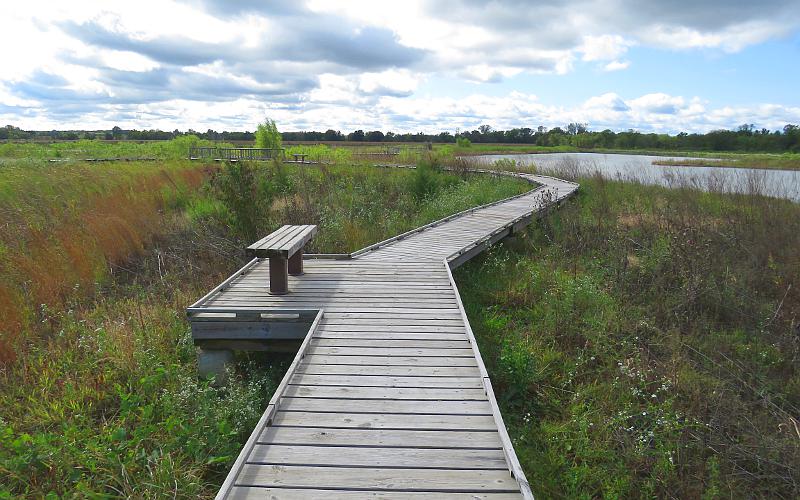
643 341
98 386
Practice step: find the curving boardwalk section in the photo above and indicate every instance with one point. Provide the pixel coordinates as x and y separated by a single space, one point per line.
388 396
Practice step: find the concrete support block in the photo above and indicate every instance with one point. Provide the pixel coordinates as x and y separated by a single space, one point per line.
214 363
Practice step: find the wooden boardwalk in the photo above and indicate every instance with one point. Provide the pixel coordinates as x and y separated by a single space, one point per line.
387 396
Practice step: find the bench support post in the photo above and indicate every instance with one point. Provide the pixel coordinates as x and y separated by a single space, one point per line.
278 276
296 263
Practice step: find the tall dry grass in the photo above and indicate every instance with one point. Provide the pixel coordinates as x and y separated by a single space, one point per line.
67 226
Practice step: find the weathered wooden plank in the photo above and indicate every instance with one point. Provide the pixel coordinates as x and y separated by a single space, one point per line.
250 492
391 351
393 321
438 394
387 342
383 335
399 371
358 304
284 242
323 436
340 293
411 407
360 327
378 457
397 313
385 421
386 381
433 480
389 360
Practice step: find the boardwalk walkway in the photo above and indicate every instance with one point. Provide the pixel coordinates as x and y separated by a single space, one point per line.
388 396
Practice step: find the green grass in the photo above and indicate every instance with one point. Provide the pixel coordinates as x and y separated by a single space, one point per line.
643 343
12 152
101 398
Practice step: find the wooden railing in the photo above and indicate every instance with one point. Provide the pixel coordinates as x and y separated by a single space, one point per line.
215 153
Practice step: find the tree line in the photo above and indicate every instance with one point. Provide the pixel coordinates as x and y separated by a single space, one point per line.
744 138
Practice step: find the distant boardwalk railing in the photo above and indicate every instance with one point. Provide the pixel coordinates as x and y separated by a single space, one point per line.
215 153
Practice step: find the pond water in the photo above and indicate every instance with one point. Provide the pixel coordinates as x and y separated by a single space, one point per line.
778 183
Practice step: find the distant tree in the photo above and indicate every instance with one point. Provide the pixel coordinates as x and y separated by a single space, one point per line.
267 135
576 128
358 136
746 129
374 136
332 135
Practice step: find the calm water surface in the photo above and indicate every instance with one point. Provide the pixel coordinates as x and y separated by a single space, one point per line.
778 183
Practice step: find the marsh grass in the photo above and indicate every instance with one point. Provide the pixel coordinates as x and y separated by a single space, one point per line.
174 149
644 342
67 225
354 206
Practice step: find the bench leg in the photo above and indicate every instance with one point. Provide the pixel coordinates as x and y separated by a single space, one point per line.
278 276
214 363
296 263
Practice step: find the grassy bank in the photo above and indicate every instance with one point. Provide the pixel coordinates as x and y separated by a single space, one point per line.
644 343
100 397
785 161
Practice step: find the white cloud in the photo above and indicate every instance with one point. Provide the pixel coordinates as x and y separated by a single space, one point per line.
659 103
616 65
360 63
389 82
338 106
603 47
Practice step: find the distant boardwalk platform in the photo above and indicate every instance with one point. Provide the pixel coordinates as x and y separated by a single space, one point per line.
235 154
388 396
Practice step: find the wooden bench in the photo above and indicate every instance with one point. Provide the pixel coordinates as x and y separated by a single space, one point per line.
284 248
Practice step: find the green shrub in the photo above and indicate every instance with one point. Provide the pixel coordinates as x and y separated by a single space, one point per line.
267 135
247 196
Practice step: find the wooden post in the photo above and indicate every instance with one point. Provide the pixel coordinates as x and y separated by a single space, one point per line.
278 276
296 263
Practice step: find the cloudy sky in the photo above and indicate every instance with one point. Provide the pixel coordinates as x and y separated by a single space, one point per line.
411 65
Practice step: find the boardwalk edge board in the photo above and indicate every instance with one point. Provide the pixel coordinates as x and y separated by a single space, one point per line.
388 369
269 413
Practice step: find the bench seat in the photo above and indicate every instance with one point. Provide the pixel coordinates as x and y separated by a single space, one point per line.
284 249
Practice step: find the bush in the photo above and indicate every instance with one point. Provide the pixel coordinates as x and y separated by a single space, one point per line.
425 182
247 196
463 142
267 135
